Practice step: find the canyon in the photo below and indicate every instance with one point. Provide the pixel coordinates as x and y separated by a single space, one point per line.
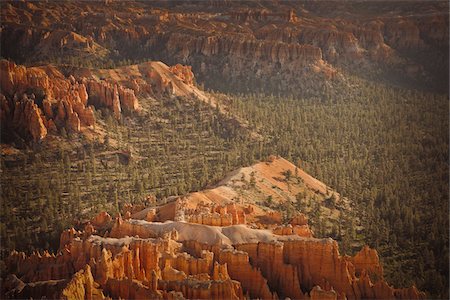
230 252
247 44
140 149
291 49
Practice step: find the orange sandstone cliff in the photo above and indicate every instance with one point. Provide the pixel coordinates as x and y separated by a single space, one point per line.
226 252
36 101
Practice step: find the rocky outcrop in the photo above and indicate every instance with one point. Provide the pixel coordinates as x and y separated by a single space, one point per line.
268 44
177 259
48 43
184 73
128 99
367 260
319 263
101 220
121 87
288 266
68 114
299 219
240 269
225 215
82 286
263 15
113 96
241 47
281 277
189 265
41 267
28 119
39 100
67 237
193 288
213 219
302 230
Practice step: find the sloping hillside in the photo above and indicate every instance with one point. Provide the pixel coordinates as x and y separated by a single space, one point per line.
211 246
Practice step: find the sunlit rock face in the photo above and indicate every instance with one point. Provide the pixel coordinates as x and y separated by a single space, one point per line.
35 101
38 100
68 59
224 254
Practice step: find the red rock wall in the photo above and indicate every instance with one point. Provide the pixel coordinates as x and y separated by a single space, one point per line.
196 289
367 259
281 277
63 105
65 102
82 286
239 268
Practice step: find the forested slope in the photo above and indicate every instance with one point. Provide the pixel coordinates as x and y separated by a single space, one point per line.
384 148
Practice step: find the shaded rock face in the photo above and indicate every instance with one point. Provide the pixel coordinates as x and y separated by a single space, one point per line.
113 96
28 118
17 289
240 48
262 44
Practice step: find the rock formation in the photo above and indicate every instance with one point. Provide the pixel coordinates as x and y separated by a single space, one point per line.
367 260
207 245
113 96
285 48
271 45
101 220
82 286
184 73
28 118
40 100
123 85
228 266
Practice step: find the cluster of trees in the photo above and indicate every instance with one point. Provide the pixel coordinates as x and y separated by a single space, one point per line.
107 62
384 148
173 147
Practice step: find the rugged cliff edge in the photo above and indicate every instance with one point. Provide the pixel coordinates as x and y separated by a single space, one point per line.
265 45
36 101
225 254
